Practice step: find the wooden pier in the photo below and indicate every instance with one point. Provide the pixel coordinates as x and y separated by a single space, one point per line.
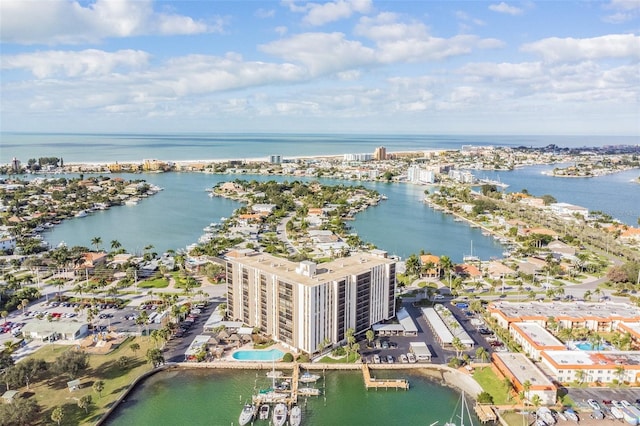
370 382
485 413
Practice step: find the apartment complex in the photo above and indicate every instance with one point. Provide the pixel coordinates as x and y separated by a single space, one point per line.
305 305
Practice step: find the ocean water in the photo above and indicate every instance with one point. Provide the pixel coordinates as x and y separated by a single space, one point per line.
136 147
215 398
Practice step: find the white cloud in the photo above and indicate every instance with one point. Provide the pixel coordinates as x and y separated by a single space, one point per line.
318 14
503 7
626 10
281 30
84 63
70 22
321 53
572 49
409 42
265 13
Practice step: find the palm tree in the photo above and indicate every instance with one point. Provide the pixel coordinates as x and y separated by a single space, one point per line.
620 373
482 354
115 244
526 386
446 265
96 241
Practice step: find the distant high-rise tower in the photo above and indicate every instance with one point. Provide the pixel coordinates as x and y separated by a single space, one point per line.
15 165
380 153
275 159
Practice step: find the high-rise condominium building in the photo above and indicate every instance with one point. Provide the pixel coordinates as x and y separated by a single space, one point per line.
306 305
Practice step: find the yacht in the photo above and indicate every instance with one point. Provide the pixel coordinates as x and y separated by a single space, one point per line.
279 414
81 213
248 411
132 201
295 418
307 377
263 412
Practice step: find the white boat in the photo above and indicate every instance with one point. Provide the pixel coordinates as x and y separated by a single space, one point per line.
132 201
279 414
295 418
81 213
307 377
263 412
248 411
545 414
307 391
274 374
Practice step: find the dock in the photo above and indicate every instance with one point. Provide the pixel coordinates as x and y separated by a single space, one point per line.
485 413
370 382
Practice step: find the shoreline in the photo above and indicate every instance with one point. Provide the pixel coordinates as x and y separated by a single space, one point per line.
444 375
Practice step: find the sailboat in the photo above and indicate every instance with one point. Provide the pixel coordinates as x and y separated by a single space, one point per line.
470 257
463 415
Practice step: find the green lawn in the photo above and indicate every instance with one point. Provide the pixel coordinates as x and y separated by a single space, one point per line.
155 283
492 384
330 360
51 391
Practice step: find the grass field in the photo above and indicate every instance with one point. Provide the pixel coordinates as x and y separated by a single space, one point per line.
492 384
52 391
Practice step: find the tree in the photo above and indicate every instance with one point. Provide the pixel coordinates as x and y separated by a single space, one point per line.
98 387
536 400
134 347
482 354
155 357
85 403
4 315
57 415
21 412
526 386
96 241
115 244
6 360
485 398
413 265
620 373
370 335
71 363
30 369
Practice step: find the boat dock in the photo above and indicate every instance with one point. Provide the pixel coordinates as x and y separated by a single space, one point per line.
485 413
370 382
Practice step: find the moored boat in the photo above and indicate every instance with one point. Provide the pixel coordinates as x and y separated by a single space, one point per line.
295 418
279 414
263 413
247 413
307 377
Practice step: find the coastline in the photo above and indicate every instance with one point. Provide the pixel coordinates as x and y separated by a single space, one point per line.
442 374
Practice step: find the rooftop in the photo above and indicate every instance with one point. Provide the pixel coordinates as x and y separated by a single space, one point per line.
537 334
590 359
324 272
518 311
523 369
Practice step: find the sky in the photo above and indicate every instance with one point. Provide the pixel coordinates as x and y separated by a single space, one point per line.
361 66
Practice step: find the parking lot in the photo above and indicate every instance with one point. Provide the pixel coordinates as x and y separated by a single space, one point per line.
396 346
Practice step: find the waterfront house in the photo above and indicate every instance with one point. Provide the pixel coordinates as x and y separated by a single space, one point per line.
90 260
434 261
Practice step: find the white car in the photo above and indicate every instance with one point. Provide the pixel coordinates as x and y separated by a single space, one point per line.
438 297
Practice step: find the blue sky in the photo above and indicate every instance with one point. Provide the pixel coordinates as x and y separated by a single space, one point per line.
434 67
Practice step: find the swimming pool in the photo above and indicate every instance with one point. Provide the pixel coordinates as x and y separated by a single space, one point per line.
587 346
258 355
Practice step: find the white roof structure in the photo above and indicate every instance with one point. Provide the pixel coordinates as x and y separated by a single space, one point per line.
196 345
437 325
215 319
406 321
388 328
537 335
420 350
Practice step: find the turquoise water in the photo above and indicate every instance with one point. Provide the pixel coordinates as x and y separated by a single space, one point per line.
587 346
257 355
216 398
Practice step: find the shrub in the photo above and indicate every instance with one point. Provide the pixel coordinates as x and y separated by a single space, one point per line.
288 357
485 398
